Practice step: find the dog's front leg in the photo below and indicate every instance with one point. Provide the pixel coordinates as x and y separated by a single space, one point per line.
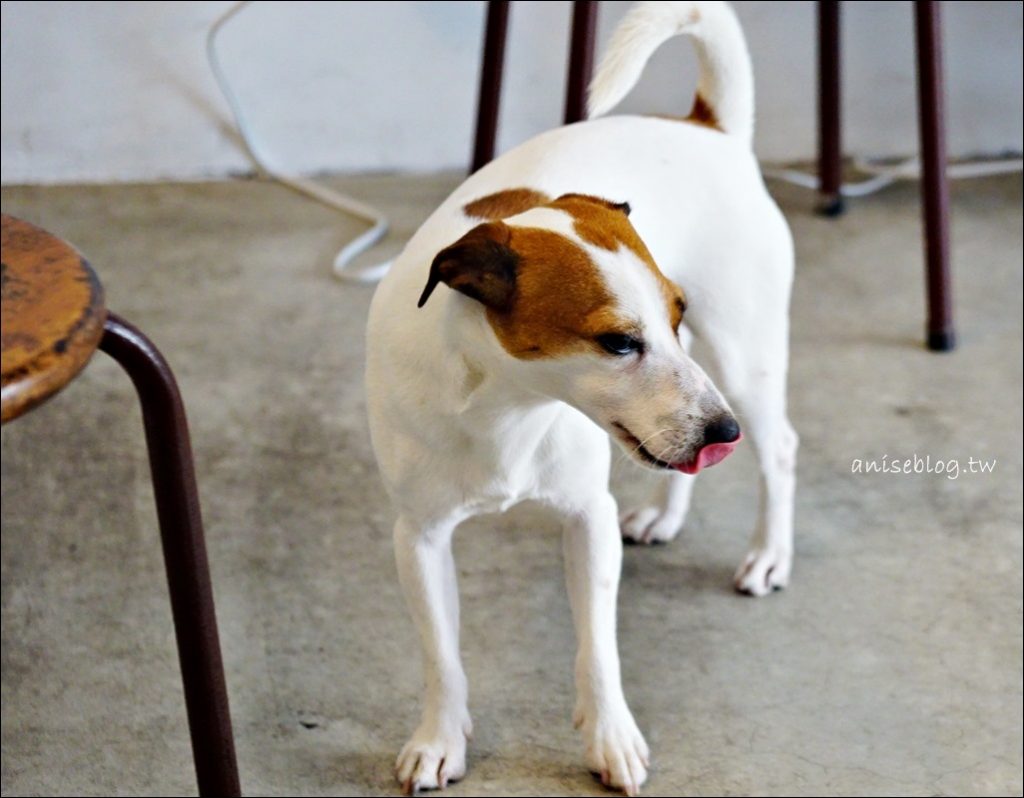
661 519
436 752
593 559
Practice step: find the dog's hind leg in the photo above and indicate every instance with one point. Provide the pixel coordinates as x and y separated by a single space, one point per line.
751 351
616 749
436 752
766 566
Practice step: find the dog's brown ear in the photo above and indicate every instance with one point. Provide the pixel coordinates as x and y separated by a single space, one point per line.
480 265
609 204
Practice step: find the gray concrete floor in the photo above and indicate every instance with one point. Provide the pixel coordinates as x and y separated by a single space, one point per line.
891 665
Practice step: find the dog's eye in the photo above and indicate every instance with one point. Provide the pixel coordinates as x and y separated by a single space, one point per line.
619 344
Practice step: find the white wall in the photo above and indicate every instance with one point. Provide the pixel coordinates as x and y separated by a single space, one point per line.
95 91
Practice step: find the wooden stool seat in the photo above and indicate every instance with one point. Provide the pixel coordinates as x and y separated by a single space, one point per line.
53 315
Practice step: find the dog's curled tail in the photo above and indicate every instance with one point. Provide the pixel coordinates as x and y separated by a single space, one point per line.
725 88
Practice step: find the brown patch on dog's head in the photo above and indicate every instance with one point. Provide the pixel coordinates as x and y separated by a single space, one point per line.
502 204
561 303
603 223
544 296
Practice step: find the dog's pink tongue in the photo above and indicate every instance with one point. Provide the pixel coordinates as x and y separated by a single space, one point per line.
710 455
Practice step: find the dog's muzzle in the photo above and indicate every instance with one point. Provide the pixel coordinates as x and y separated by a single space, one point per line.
720 438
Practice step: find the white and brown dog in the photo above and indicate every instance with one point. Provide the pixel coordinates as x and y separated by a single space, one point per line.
565 320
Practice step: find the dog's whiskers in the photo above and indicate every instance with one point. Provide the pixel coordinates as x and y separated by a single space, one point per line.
642 444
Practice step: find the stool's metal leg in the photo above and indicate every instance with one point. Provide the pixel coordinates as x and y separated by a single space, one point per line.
934 188
490 83
188 575
581 59
830 147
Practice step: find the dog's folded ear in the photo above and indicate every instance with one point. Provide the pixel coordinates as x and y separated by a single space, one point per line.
480 265
611 205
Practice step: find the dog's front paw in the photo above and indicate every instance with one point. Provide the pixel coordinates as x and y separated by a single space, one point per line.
765 569
650 525
434 756
616 750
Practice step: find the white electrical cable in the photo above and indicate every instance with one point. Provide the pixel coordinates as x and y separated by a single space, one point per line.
379 223
885 174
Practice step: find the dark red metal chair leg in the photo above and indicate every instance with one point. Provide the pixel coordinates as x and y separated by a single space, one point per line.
581 59
188 575
490 83
934 188
830 147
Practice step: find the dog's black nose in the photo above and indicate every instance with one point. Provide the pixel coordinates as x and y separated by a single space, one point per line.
721 430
